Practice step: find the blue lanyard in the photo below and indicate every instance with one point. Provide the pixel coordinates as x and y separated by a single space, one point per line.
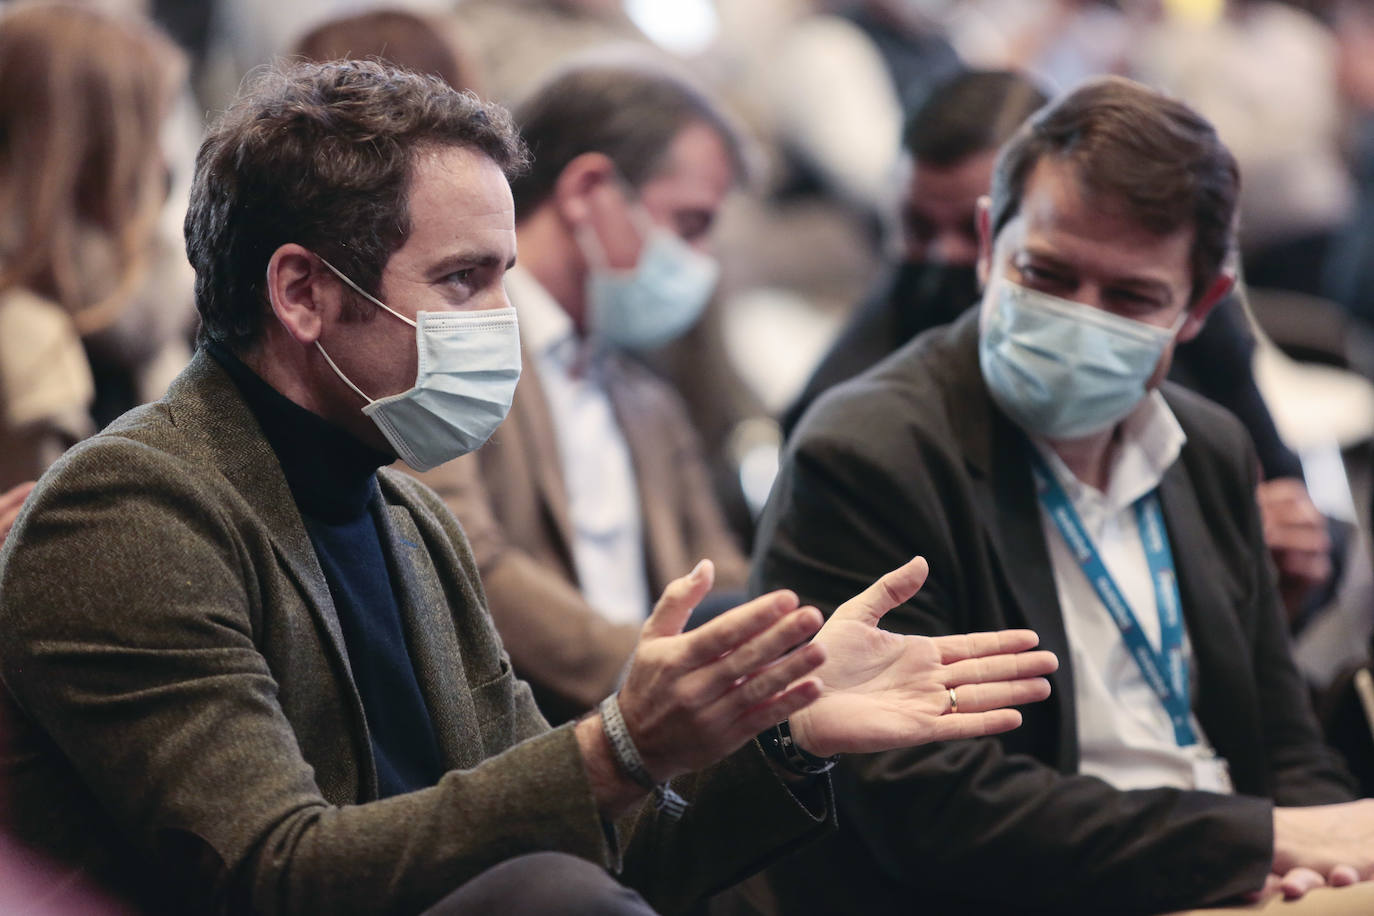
1164 671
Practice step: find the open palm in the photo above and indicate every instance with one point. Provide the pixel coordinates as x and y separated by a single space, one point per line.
883 690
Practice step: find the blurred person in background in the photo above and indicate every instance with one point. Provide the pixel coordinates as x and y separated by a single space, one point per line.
1265 73
595 493
95 304
951 143
948 146
1349 268
427 44
1059 42
519 44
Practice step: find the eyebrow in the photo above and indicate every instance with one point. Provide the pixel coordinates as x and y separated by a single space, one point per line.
466 259
1139 284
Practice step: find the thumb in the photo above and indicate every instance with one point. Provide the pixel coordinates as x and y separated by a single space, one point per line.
891 589
679 598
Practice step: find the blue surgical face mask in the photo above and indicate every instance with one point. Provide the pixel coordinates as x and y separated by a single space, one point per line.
1063 370
469 363
658 299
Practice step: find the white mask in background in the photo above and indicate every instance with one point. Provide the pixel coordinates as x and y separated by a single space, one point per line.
658 299
1062 369
469 363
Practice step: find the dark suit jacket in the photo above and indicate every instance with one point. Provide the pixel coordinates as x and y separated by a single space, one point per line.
913 458
513 503
186 727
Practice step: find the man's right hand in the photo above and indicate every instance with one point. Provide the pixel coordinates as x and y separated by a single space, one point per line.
691 699
1322 844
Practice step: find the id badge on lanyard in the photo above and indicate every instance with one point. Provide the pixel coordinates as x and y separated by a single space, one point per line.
1164 671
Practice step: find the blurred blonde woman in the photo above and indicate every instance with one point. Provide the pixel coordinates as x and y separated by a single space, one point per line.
84 280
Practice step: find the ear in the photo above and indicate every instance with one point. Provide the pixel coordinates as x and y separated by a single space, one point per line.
302 292
983 218
1224 283
575 190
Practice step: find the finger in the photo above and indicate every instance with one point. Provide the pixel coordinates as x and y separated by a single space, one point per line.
1000 668
735 627
1298 537
983 697
1304 567
957 725
782 705
977 645
891 589
761 650
772 680
1282 489
1299 881
1271 886
679 598
1343 876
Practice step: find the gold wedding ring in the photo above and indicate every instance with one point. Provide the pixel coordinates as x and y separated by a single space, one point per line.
953 701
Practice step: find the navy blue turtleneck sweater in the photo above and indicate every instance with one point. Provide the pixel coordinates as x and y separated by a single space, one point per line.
333 479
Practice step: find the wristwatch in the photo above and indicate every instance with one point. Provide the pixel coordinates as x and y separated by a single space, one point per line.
778 744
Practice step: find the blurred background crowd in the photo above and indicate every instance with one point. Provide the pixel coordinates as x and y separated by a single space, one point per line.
100 117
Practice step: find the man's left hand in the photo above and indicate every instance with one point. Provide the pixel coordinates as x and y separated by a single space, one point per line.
1295 532
883 690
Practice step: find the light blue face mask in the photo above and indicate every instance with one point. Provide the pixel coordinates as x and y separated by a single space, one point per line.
657 300
469 363
1063 370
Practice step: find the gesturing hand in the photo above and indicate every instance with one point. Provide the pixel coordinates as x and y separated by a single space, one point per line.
690 699
882 690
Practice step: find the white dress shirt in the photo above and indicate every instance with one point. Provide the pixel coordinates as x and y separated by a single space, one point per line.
1125 735
603 498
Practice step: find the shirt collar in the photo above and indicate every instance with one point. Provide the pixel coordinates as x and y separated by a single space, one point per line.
1149 441
545 328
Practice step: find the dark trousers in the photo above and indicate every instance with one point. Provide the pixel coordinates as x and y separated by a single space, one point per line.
543 884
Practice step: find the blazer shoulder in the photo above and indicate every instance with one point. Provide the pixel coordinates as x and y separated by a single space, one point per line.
911 395
1208 425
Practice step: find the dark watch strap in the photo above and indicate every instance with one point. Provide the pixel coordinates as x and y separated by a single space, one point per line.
668 802
778 745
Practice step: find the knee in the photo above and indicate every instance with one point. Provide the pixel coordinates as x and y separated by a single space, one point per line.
551 883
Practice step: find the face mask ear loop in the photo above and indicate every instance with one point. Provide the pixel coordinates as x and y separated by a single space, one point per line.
592 249
340 374
590 243
361 292
1180 320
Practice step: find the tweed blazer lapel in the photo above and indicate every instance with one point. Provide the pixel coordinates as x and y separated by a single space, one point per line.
998 457
534 419
431 639
205 398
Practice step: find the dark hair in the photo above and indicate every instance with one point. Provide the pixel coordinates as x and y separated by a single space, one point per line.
320 155
399 37
630 112
1133 148
973 111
